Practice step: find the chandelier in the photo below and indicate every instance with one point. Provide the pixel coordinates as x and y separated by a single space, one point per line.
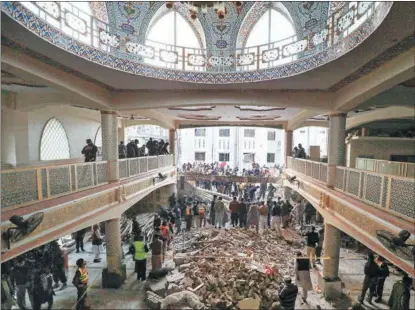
197 7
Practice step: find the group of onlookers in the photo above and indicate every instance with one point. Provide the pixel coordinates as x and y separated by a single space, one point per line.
299 152
223 169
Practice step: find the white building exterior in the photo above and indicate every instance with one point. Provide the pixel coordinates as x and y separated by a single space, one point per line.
240 146
144 132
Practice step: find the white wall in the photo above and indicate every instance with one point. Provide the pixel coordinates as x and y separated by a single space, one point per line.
378 148
308 136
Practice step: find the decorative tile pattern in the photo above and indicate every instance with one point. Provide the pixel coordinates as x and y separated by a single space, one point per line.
101 173
33 23
143 164
337 134
54 143
84 176
373 188
403 197
340 176
18 188
134 166
60 180
114 254
123 168
152 163
353 178
331 247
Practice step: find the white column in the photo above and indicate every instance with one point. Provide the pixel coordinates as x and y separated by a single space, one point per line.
336 150
109 123
8 141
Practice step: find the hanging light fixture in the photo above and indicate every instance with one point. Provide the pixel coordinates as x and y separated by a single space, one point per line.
197 7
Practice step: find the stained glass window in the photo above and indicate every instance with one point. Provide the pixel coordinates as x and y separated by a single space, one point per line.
54 143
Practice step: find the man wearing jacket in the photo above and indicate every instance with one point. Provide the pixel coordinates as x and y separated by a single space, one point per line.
90 151
242 213
233 207
371 273
286 295
139 251
383 274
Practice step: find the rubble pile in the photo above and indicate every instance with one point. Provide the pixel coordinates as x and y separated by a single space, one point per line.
188 241
145 221
225 268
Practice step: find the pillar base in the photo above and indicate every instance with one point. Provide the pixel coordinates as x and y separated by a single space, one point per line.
112 279
331 289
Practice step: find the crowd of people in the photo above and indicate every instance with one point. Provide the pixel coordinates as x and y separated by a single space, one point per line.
38 272
223 169
131 150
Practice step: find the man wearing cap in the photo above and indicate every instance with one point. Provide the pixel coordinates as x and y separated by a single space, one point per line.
286 295
80 281
90 151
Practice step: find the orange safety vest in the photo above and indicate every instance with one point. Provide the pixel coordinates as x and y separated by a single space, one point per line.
187 211
202 210
84 275
164 231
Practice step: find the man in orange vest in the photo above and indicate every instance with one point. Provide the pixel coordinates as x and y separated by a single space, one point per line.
80 281
202 214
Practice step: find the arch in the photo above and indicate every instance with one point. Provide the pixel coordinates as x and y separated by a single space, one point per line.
54 143
98 140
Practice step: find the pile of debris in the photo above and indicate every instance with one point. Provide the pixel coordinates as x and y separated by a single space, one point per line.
145 221
228 269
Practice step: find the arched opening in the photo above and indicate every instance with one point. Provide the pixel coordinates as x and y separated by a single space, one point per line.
312 136
268 37
54 143
98 140
171 36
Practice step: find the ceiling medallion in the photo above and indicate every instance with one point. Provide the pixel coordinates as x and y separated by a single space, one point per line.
200 108
200 117
258 108
258 118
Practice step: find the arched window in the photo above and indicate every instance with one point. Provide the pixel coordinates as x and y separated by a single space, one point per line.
98 140
171 29
54 143
273 30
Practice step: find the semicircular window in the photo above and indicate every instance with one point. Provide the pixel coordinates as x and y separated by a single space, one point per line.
170 36
54 143
272 32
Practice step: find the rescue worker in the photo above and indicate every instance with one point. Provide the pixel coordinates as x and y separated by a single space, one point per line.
164 229
80 281
189 217
202 214
233 207
156 252
242 213
371 273
139 250
219 212
263 217
382 275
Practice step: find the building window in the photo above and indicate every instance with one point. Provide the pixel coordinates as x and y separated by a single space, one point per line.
323 132
200 156
228 144
224 132
54 143
279 144
249 133
203 143
271 135
270 158
223 156
220 144
302 131
200 132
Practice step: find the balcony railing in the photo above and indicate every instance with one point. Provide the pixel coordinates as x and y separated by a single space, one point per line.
396 168
100 42
29 185
391 193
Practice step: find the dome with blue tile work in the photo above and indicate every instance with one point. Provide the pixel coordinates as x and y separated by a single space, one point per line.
225 42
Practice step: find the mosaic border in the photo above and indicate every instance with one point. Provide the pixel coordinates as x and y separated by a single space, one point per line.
34 24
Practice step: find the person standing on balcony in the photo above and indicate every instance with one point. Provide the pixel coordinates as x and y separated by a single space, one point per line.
90 151
96 243
122 150
132 149
301 152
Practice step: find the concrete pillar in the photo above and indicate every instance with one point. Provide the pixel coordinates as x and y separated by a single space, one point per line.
8 140
115 274
121 132
109 125
288 148
331 286
336 151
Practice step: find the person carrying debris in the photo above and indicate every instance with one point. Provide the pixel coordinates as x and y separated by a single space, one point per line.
253 216
156 252
139 249
243 212
233 207
219 212
263 217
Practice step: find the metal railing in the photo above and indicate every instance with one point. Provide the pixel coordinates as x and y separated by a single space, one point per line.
396 168
90 31
23 186
392 193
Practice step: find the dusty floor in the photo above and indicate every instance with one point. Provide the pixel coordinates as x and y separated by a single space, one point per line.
131 295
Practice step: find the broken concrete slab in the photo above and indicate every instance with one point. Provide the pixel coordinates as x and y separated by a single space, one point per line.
153 301
173 288
184 267
175 277
158 286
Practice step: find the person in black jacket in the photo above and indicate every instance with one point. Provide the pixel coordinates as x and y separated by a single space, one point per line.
212 211
312 240
80 281
79 239
243 213
371 273
383 274
57 265
90 151
20 276
287 295
132 149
